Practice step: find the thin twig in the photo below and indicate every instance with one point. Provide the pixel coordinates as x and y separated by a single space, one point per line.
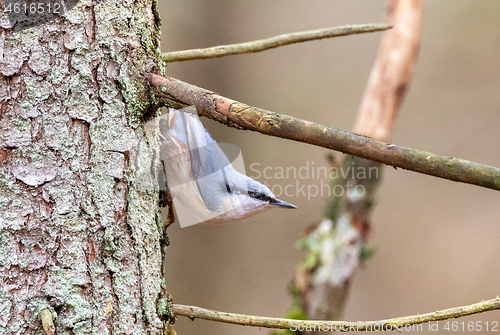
388 324
271 42
175 93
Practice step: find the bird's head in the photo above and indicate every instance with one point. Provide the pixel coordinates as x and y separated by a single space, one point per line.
263 195
247 197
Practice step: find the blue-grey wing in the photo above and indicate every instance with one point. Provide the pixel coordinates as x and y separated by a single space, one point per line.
210 167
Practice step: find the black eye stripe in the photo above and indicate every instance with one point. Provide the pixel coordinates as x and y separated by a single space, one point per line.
259 196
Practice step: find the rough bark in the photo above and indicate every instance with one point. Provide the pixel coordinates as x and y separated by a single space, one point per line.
79 225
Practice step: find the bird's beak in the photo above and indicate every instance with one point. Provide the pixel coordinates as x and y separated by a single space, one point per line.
281 203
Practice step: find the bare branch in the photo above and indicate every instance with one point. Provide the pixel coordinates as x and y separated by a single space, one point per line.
392 71
175 93
346 223
387 324
271 42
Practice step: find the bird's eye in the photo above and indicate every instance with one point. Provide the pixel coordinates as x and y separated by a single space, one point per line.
257 195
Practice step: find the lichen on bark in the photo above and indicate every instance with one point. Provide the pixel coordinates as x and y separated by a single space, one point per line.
77 231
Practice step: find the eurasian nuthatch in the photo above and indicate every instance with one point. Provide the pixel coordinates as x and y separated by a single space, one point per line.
201 177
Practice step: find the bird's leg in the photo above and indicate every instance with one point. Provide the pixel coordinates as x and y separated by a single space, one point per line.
166 200
170 216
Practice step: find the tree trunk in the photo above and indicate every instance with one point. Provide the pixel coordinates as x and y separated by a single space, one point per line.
79 222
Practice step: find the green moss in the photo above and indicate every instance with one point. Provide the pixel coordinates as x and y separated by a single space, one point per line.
366 254
162 308
163 284
136 98
296 313
311 261
313 244
165 310
109 241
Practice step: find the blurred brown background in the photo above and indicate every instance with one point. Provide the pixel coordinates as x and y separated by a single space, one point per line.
436 241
